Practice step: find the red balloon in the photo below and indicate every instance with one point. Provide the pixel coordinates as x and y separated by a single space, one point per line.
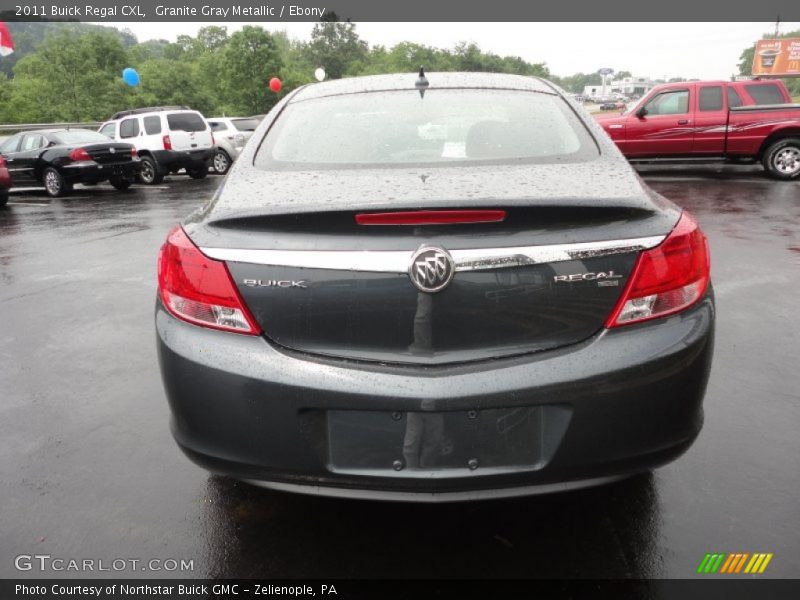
275 84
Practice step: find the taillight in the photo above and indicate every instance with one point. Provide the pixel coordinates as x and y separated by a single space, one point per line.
198 289
431 217
666 279
213 141
79 154
134 153
167 142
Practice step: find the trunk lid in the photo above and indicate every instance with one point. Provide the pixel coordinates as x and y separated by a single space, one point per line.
547 276
109 153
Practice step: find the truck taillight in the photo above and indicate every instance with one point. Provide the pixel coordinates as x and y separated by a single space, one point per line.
198 289
79 154
134 153
167 142
213 140
666 279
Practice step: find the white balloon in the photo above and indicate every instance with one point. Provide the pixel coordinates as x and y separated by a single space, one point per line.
319 74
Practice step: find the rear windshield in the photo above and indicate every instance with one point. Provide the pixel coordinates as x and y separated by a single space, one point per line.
245 124
188 121
400 128
79 136
765 93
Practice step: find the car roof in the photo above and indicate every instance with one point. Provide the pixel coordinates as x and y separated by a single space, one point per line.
139 112
403 81
53 130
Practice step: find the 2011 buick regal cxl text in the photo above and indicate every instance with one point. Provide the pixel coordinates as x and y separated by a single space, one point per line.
434 287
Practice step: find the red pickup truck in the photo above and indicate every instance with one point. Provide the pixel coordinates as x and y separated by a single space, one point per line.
735 120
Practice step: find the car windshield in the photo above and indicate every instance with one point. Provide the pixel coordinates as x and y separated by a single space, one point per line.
443 127
245 124
79 136
186 121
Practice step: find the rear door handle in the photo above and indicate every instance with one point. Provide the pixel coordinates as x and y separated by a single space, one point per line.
683 122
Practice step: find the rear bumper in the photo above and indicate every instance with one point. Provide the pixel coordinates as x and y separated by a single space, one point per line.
174 160
625 401
91 171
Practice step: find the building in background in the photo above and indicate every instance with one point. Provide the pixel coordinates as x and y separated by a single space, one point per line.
627 86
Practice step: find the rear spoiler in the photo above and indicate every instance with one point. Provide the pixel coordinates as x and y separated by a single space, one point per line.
758 107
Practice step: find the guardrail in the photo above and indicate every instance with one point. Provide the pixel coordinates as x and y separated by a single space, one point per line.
15 127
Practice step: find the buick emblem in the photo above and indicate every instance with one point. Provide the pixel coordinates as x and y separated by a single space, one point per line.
431 269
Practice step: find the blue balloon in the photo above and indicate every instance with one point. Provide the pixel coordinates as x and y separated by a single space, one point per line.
130 76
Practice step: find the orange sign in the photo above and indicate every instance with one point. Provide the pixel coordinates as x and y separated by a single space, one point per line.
777 57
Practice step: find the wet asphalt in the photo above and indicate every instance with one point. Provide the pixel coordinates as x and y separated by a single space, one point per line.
88 468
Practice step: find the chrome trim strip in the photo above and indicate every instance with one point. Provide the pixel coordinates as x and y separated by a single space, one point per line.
416 496
397 261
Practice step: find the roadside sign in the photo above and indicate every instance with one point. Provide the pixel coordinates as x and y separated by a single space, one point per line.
777 57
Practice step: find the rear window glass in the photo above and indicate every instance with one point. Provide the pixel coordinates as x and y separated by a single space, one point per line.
765 93
79 136
711 98
152 125
217 126
400 128
188 121
245 124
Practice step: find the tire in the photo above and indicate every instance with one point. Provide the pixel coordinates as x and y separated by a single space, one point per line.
54 183
198 172
221 162
120 183
150 173
3 199
782 159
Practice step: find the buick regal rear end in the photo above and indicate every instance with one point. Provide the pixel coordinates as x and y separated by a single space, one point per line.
445 287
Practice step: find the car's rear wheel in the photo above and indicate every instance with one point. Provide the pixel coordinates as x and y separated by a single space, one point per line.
221 162
150 175
54 183
782 159
120 183
198 172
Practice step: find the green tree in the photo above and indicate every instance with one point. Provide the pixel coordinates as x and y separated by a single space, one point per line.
69 78
336 47
249 60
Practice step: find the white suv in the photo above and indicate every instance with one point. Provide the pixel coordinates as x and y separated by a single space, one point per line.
167 138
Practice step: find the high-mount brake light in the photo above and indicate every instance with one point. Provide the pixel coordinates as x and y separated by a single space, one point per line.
198 289
431 217
666 279
79 154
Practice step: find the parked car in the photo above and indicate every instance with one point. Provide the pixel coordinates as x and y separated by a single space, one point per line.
168 139
60 158
734 120
612 106
461 294
5 182
230 134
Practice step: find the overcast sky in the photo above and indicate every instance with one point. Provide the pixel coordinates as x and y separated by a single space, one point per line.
692 50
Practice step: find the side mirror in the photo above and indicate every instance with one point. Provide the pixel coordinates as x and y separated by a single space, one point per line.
641 112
